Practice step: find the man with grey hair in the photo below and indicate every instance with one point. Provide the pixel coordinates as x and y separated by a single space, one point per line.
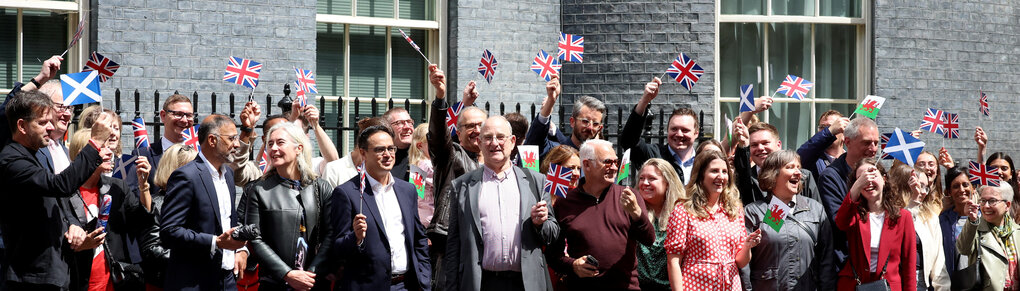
585 121
861 140
595 212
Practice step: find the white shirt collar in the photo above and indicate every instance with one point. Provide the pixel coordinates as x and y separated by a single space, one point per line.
218 173
376 186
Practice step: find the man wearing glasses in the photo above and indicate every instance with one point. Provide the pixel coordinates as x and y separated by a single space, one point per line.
403 128
177 115
599 211
585 121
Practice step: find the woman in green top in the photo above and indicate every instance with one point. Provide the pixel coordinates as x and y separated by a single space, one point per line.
660 187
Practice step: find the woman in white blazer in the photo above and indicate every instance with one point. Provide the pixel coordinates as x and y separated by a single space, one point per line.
924 206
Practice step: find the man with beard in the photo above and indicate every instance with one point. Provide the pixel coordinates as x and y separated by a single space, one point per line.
451 160
763 139
585 121
682 130
826 145
402 125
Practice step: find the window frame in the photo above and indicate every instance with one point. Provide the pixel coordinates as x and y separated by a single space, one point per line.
72 8
863 52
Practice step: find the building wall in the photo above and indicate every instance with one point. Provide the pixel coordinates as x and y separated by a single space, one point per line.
514 31
629 42
938 55
183 46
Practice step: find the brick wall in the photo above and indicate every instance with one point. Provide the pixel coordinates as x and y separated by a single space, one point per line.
939 54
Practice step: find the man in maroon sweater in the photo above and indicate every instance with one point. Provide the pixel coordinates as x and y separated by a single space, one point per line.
603 221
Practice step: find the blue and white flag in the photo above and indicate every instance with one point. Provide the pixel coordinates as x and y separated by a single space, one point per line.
81 88
747 98
904 147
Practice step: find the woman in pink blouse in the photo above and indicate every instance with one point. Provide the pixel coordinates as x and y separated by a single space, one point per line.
707 243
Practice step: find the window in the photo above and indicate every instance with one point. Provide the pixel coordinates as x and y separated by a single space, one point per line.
361 54
761 41
28 39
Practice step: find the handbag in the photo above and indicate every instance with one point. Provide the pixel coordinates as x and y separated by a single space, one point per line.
878 285
969 278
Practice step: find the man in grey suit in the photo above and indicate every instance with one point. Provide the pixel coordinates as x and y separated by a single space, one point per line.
499 221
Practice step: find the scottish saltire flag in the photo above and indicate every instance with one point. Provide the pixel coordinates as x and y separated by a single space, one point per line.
190 136
101 64
557 181
487 66
904 147
951 125
306 80
747 98
410 41
571 48
81 88
546 66
125 166
242 72
983 175
263 162
984 104
885 140
529 156
795 87
778 211
870 106
141 134
685 70
933 121
451 117
300 94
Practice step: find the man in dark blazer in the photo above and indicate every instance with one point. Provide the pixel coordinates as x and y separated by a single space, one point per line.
380 241
495 243
681 132
198 215
33 227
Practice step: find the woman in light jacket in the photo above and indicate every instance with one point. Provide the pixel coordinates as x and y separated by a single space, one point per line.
992 234
914 186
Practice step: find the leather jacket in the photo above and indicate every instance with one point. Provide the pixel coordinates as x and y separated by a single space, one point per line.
450 160
277 210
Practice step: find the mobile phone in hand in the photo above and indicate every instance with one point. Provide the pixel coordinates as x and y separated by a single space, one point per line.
591 261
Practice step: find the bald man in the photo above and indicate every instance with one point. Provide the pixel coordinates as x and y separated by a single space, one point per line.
514 215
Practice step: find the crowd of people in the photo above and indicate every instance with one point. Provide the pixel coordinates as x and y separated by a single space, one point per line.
697 216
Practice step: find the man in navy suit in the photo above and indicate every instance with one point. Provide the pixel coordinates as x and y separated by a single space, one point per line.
380 239
198 215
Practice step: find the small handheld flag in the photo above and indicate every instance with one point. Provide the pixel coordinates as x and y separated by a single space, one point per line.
983 175
299 256
571 48
141 134
414 45
747 98
951 125
101 64
984 104
795 87
451 117
885 140
624 172
870 106
263 162
125 166
417 178
904 147
778 211
243 72
546 66
81 88
933 120
300 94
190 136
557 180
685 70
361 174
529 156
487 66
76 37
306 81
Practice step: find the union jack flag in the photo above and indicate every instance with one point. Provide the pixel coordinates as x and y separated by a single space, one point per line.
933 121
77 34
141 134
306 80
487 67
242 72
984 103
983 175
571 48
263 162
557 181
795 87
451 117
300 93
685 70
190 136
951 125
361 173
885 140
409 40
103 65
546 66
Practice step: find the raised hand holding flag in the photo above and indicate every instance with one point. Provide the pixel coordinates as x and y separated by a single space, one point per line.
571 48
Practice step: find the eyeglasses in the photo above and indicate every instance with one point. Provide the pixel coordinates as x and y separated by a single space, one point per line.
588 122
990 202
381 149
61 108
499 138
608 162
231 138
180 114
407 122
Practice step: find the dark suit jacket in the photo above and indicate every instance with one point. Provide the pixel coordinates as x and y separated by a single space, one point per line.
538 134
452 161
190 220
813 151
367 267
630 139
897 250
463 261
33 226
747 180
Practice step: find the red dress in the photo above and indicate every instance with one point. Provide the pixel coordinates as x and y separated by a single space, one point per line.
709 247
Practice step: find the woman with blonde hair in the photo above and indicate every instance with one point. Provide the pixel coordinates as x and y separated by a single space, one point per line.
660 187
154 254
914 187
290 205
421 162
706 243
